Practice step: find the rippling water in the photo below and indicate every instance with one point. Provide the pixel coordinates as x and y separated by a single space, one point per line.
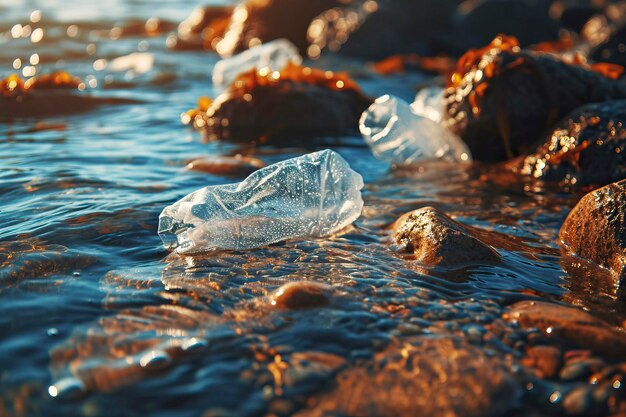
89 296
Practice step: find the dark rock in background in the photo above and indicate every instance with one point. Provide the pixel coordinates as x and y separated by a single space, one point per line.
501 102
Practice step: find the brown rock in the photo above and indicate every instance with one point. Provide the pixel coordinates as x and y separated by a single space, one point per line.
571 325
596 230
421 377
295 104
203 29
545 359
299 295
437 240
228 166
266 20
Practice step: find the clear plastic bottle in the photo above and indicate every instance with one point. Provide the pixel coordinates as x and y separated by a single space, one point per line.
313 195
274 55
397 135
429 103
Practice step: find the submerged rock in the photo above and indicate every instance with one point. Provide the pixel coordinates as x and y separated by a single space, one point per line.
301 295
46 95
571 326
596 230
228 166
587 147
14 86
422 377
546 360
313 195
271 106
437 240
502 98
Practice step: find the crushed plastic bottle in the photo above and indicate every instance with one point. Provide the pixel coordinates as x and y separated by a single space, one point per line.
398 136
274 55
138 62
429 103
313 195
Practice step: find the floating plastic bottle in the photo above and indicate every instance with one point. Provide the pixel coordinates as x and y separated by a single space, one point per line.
313 195
138 62
274 55
398 136
429 103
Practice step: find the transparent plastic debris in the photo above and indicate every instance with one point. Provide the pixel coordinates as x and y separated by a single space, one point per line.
429 103
314 195
274 55
398 136
138 62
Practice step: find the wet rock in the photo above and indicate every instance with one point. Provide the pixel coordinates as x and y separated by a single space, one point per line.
47 95
312 365
501 99
545 359
257 21
596 230
437 240
423 376
228 166
580 369
277 107
203 29
30 259
587 147
137 27
578 402
478 22
55 104
301 295
378 29
126 347
569 326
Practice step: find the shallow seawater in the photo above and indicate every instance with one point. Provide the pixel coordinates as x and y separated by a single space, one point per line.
97 319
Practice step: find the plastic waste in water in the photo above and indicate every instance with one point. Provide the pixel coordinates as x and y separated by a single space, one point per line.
274 55
313 195
138 62
398 136
429 103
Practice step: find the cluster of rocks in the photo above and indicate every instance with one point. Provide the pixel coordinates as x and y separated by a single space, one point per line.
375 29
